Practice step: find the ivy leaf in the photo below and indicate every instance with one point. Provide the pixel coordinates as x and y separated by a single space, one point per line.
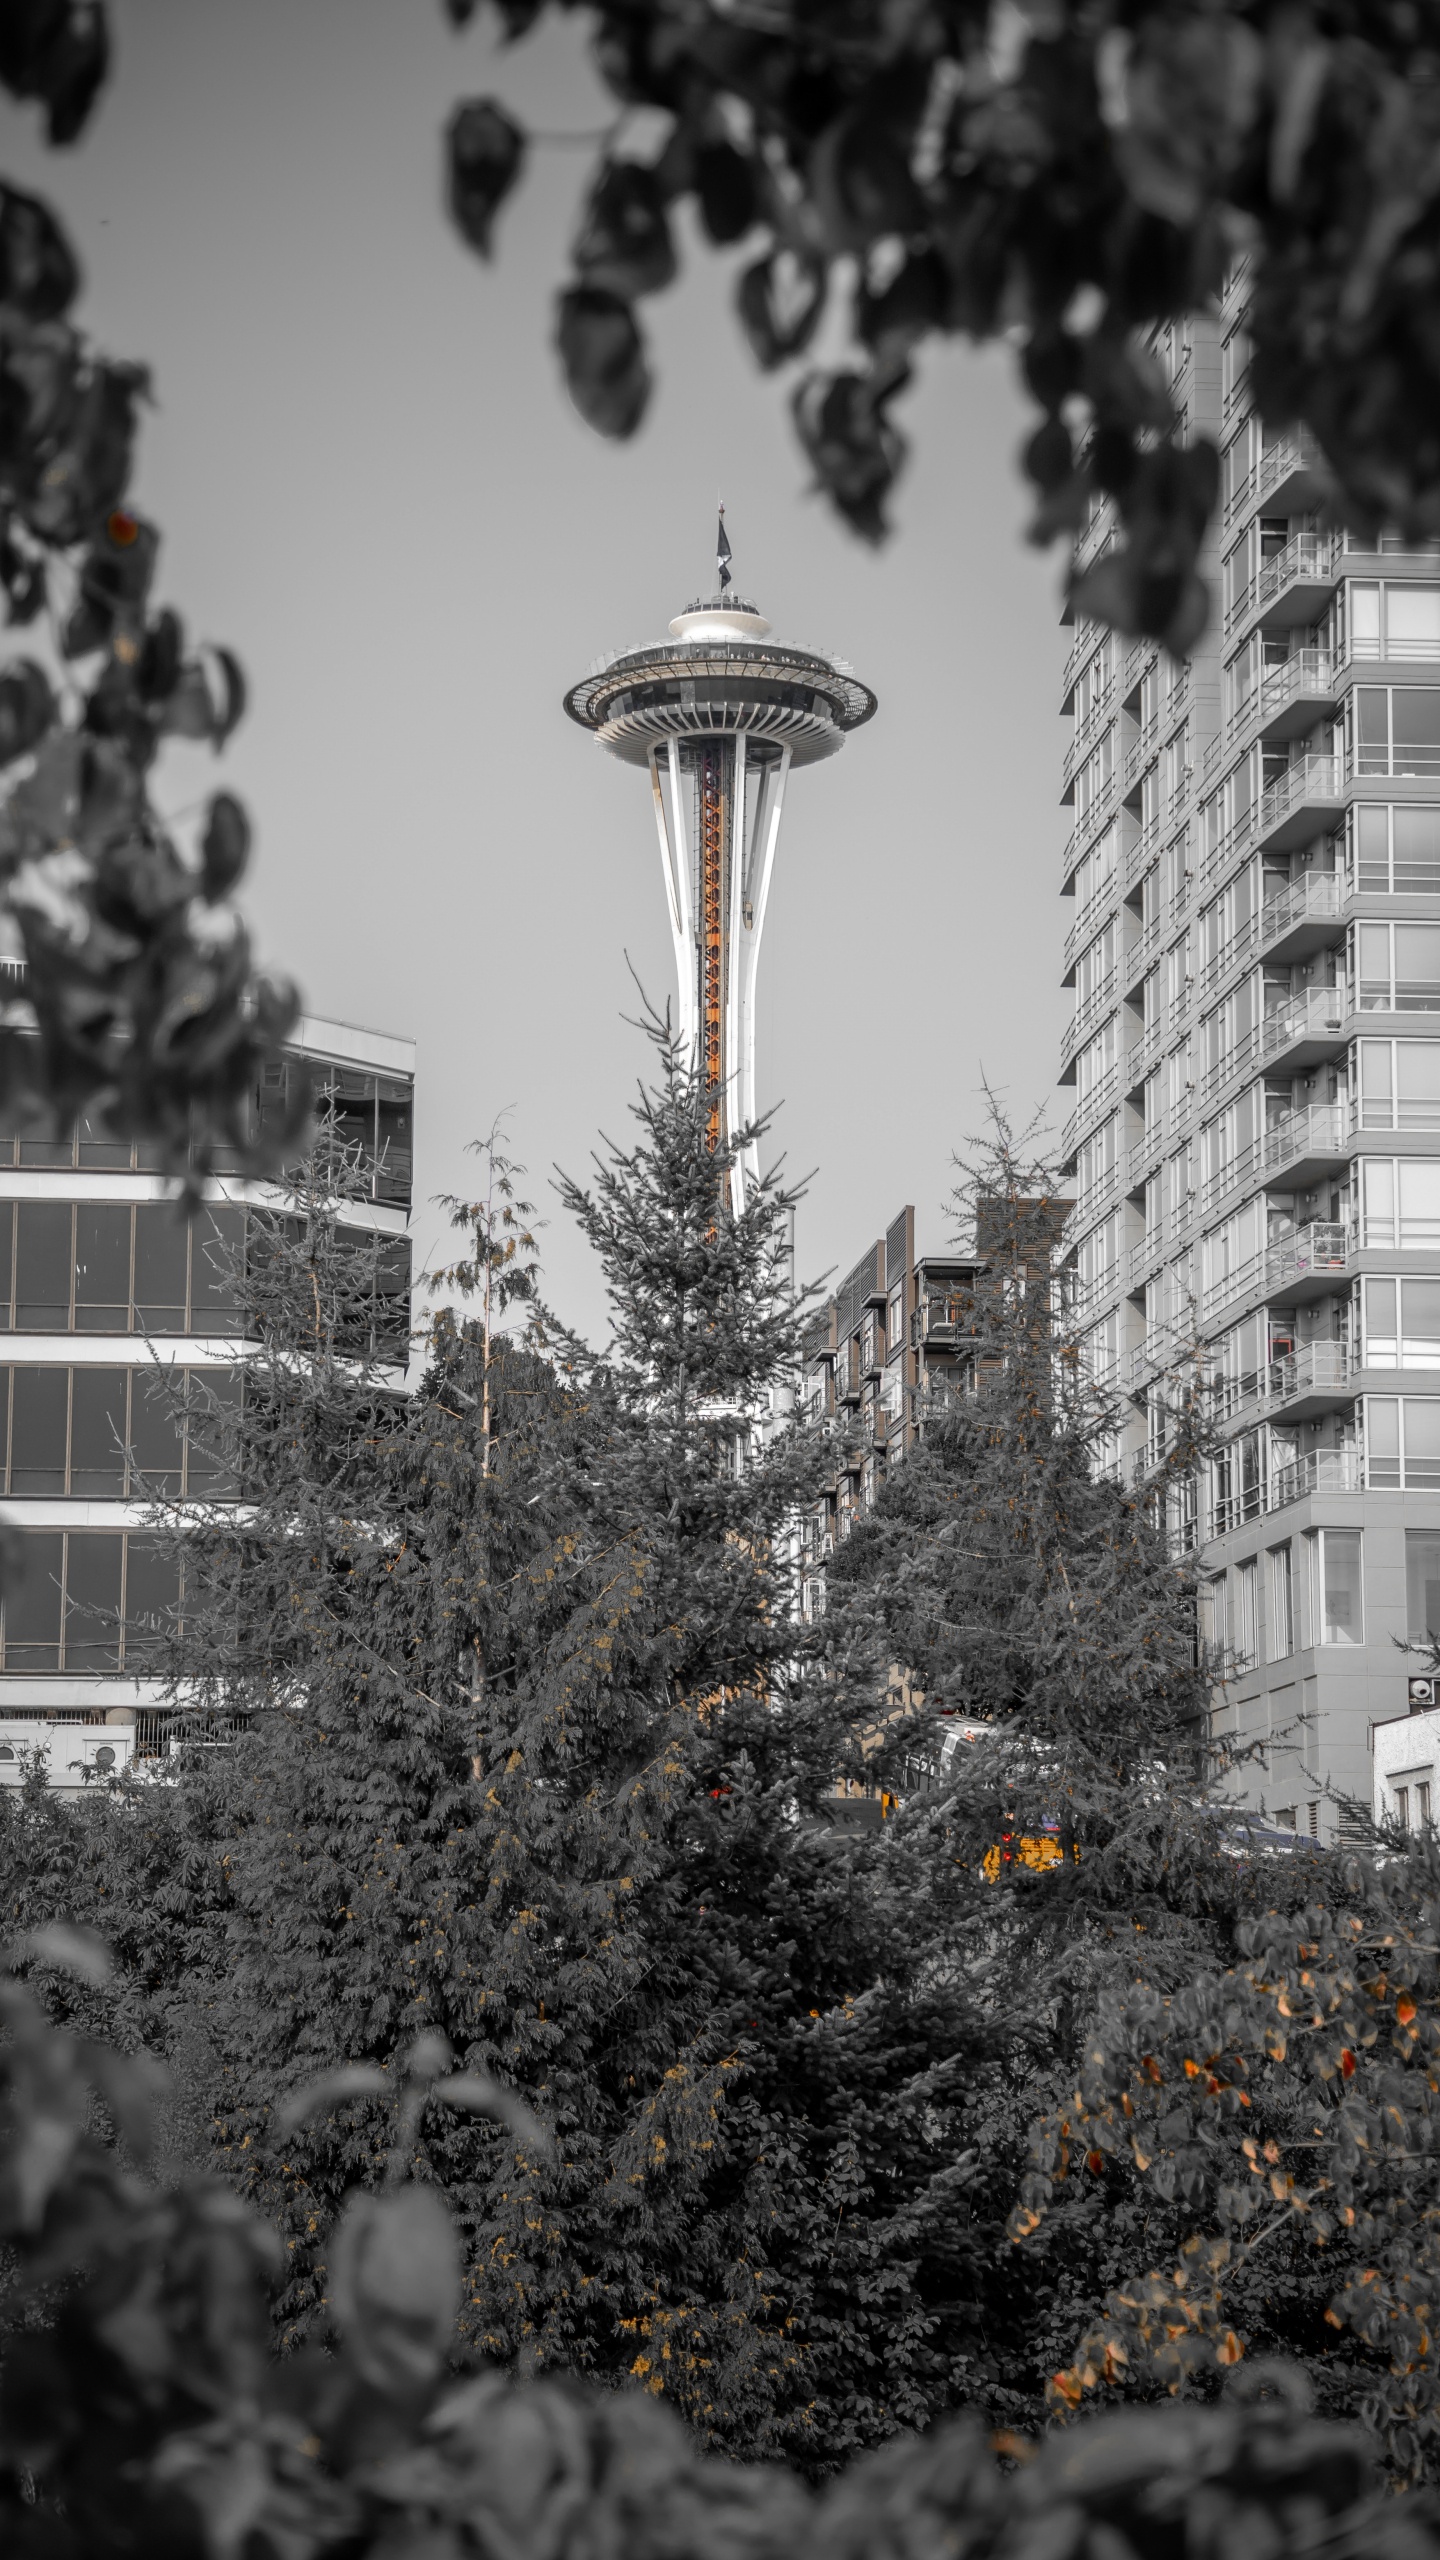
624 245
225 846
395 2286
855 452
57 51
484 155
39 273
27 708
725 186
603 354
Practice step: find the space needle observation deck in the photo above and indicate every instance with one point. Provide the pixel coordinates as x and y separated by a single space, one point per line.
720 715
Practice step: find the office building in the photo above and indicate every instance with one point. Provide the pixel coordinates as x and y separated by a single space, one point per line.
1252 881
101 1278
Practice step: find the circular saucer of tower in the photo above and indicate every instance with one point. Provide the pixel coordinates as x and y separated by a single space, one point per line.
719 673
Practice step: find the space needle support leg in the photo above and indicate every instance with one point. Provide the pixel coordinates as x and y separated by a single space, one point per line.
770 806
675 863
737 938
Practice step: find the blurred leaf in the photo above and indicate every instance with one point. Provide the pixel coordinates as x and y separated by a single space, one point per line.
475 2093
39 274
855 452
603 354
395 2286
27 708
332 2089
624 245
225 845
484 155
725 185
57 51
780 299
69 1950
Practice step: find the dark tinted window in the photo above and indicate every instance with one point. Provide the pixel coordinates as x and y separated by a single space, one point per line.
97 1433
217 1254
32 1602
157 1427
152 1593
214 1399
92 1600
162 1253
37 1446
102 1269
42 1266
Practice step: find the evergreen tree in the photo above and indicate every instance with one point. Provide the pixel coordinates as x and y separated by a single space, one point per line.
1040 1601
602 1871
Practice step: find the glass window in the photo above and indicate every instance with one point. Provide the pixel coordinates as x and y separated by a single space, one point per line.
97 1433
152 1594
1412 621
1365 621
102 1269
1382 1332
1282 1603
1399 1084
1397 968
92 1600
42 1266
1402 1807
1341 1612
217 1258
162 1253
156 1435
213 1402
1422 1585
1246 1630
34 1582
40 1406
1402 1443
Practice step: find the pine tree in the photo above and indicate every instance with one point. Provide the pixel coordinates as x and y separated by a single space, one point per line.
602 1872
1037 1599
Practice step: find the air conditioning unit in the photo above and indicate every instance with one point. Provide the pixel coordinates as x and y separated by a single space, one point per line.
1424 1690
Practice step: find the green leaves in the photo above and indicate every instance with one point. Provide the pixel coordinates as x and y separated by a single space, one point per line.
484 156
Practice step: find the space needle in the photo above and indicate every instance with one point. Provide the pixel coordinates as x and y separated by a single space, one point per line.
720 715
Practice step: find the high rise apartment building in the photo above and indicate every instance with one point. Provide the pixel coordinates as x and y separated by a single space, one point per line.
100 1280
893 1329
1253 874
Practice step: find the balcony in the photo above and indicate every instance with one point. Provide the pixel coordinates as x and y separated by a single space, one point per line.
1290 587
1102 1097
1305 1145
1298 805
1312 1381
1319 1471
1087 924
1087 736
1308 1264
1289 698
1302 1033
1302 919
1141 752
1290 475
1086 1018
1142 951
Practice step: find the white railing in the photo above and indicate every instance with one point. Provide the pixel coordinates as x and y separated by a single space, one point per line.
1317 897
1101 1097
1319 1131
1323 1246
1086 736
1143 950
1320 1015
1313 558
1139 753
1088 1016
1320 1368
1320 1471
1295 452
1314 778
1084 645
1088 922
1310 672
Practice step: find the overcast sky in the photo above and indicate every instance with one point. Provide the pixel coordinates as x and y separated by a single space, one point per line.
372 486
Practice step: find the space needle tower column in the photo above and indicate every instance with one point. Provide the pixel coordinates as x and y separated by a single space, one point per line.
720 715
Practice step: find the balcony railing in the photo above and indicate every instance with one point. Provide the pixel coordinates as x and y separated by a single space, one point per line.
1308 560
1317 898
1088 1016
1142 951
1320 1015
1290 457
1317 1369
1319 1471
1313 1251
1087 735
1319 1131
1102 1097
1313 786
1289 697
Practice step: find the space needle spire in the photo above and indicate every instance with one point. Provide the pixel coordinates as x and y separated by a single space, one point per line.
720 715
